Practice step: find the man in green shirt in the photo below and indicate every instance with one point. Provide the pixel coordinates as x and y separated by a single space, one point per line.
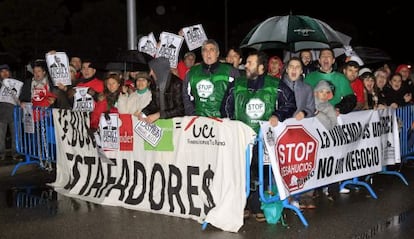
344 99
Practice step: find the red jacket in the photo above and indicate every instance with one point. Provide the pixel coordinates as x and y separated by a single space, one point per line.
100 107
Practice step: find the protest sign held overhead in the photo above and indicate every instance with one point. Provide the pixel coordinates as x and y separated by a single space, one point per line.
194 36
58 66
170 45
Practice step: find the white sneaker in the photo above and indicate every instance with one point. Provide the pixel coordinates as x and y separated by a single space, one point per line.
295 204
344 190
325 191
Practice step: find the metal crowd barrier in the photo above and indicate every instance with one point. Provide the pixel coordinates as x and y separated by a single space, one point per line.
265 186
35 137
405 118
31 197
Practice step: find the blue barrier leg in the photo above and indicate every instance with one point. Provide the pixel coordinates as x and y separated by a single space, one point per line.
298 212
204 226
395 173
276 197
355 181
26 162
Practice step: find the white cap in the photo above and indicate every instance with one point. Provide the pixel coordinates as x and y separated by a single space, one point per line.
356 59
364 70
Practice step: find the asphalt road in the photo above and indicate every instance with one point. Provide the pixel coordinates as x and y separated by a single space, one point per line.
30 209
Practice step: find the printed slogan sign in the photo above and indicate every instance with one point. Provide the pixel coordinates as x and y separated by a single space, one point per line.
307 156
194 36
296 152
58 65
10 91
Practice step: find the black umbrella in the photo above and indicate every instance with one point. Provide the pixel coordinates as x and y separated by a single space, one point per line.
371 55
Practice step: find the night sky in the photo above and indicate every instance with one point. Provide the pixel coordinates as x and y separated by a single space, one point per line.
385 26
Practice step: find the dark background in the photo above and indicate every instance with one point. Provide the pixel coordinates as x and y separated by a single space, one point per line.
98 29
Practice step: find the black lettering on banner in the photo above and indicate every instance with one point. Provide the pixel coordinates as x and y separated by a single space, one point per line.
119 185
138 168
103 183
204 131
324 139
75 171
78 128
192 190
362 158
346 134
325 167
367 133
98 182
61 118
157 206
384 126
175 190
339 167
109 180
207 178
89 161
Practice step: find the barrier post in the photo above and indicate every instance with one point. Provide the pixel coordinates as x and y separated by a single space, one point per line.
274 198
37 147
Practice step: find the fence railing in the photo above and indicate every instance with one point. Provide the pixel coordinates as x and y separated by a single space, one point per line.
35 137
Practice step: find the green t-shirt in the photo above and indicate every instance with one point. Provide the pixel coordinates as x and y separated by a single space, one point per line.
341 85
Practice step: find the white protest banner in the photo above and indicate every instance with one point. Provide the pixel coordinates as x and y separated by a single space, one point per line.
170 45
202 177
58 65
308 156
10 91
194 36
148 44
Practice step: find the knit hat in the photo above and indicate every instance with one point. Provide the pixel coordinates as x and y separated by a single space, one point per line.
4 67
403 66
323 85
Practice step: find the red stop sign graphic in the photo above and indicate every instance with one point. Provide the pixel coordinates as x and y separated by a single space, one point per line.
296 151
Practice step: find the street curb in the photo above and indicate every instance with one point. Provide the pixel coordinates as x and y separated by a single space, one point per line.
7 170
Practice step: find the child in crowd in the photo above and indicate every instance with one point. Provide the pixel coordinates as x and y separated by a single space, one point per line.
325 112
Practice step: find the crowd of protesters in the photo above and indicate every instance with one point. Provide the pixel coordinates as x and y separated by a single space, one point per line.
219 88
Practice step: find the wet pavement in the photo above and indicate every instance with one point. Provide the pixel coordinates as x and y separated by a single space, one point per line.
30 209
